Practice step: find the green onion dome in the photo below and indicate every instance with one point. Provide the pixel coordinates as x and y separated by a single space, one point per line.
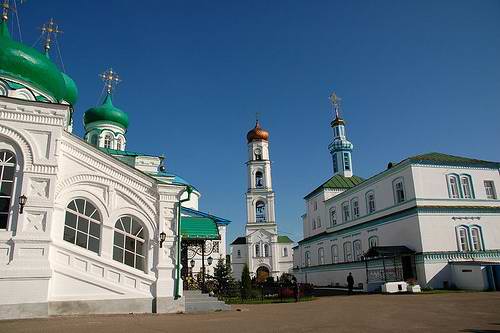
24 63
71 95
107 112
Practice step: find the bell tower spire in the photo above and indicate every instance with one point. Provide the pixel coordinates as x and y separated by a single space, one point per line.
340 148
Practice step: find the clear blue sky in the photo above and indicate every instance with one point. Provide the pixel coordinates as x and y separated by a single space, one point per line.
415 76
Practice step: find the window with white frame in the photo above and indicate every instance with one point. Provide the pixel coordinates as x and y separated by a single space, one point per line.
321 256
335 254
372 241
119 144
399 190
307 259
465 180
356 245
108 141
285 252
347 251
315 205
345 212
453 186
489 187
370 202
333 217
257 250
82 225
130 242
355 208
476 238
7 177
463 238
266 250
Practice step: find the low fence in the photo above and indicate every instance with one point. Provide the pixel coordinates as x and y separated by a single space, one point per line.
266 293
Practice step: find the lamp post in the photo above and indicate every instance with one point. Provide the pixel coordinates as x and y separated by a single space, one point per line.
22 202
192 263
210 260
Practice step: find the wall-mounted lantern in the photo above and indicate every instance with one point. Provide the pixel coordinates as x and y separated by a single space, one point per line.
22 202
163 236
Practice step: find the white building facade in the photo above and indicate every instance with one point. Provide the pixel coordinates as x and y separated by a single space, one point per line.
85 225
264 251
413 221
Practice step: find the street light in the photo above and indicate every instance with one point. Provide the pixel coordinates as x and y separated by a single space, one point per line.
192 263
22 202
210 260
163 236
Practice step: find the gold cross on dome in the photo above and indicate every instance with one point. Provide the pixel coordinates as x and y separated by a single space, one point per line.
110 79
50 29
336 100
5 10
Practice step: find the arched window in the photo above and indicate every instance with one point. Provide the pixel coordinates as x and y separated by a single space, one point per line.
453 189
259 179
129 244
94 139
476 238
356 245
307 259
266 250
82 225
370 202
321 256
466 182
347 251
399 190
7 176
355 208
463 239
257 250
372 241
335 254
119 144
260 211
107 141
258 154
333 217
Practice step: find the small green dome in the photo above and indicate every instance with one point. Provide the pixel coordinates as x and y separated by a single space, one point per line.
106 112
71 95
22 62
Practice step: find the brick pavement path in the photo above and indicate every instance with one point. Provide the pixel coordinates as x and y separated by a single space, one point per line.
454 312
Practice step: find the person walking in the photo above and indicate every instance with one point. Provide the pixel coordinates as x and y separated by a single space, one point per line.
350 283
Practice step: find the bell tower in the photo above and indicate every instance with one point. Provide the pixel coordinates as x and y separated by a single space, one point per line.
340 148
260 195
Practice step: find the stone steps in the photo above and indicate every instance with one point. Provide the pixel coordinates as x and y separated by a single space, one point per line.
198 302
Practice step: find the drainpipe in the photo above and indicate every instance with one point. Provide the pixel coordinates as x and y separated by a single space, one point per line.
189 190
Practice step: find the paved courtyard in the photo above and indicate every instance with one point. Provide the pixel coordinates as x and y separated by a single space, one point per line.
456 312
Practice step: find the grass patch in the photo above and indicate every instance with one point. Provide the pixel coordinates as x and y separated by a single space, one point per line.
238 300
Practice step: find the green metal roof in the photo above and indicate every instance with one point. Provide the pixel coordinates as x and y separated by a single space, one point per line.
106 112
451 160
284 239
122 152
199 228
337 181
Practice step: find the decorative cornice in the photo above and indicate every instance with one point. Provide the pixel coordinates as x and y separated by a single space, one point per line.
33 116
451 256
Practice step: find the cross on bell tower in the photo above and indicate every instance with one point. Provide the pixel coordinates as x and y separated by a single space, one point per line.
111 79
50 30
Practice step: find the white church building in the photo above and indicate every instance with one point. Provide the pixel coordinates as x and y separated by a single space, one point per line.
264 251
86 226
432 218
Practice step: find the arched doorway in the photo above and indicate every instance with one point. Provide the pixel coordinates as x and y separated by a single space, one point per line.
262 274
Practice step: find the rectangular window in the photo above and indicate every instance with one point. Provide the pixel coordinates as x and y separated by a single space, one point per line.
239 253
285 252
335 254
335 165
453 183
315 205
357 250
347 162
321 256
464 240
476 239
399 191
333 217
355 208
345 212
489 187
370 202
347 252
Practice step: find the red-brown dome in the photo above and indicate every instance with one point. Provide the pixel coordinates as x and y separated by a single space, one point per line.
257 133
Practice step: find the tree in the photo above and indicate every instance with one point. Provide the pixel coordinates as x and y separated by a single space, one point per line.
223 275
246 282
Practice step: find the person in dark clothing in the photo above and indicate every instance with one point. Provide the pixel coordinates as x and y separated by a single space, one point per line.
350 283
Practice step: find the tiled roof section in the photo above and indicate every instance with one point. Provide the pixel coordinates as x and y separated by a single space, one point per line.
239 241
123 152
451 160
284 240
337 181
192 212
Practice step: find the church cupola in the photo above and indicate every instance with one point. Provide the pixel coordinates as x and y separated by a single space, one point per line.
106 125
257 133
340 148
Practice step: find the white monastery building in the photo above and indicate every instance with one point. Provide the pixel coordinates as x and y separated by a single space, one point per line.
433 218
264 251
86 226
